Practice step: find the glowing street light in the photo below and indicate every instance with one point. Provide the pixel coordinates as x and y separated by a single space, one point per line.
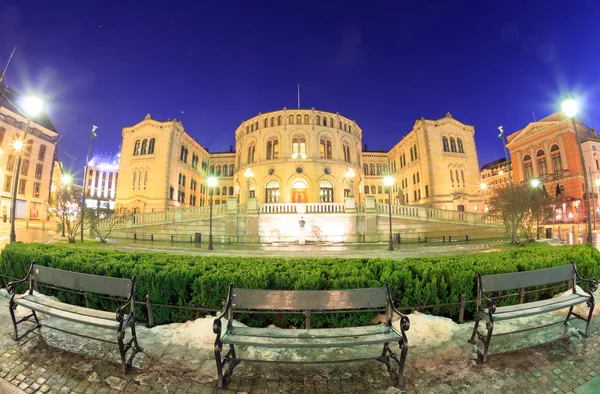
570 108
212 182
31 106
483 186
535 182
389 181
66 179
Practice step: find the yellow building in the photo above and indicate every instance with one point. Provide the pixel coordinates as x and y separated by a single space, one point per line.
298 156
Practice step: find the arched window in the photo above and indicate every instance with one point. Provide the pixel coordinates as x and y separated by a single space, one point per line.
457 178
269 149
279 120
445 144
345 127
330 122
527 167
291 120
145 179
231 190
179 180
151 146
326 192
541 161
366 189
324 121
218 170
276 149
415 149
183 181
171 192
298 119
385 169
378 168
349 129
346 152
144 147
251 151
272 121
379 189
460 146
318 120
134 178
373 189
371 169
366 168
251 128
217 191
451 176
272 192
212 170
412 156
247 129
231 170
256 125
452 144
556 161
185 156
136 148
462 175
224 191
325 149
306 119
266 122
298 147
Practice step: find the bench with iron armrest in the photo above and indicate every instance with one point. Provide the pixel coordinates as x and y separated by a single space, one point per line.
306 302
118 287
522 280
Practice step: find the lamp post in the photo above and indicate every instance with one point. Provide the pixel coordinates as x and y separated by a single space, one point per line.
32 106
388 181
536 184
350 175
598 186
212 182
85 168
65 181
569 108
248 174
510 183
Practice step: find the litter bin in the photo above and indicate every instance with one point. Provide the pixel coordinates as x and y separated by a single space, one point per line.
548 232
197 237
397 238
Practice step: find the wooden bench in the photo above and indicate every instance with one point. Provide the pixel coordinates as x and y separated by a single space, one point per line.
118 287
308 302
522 280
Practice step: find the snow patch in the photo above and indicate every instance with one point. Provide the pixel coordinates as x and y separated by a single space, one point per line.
428 329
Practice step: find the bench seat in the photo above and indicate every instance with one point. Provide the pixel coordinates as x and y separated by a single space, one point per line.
69 312
537 307
311 338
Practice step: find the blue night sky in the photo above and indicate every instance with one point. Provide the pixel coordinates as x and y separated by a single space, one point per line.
214 64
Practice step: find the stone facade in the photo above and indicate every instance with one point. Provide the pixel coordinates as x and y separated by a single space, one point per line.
298 156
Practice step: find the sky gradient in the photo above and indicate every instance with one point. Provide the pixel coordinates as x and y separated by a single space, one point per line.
214 64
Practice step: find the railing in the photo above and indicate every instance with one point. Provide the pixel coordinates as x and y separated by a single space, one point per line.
153 217
438 214
360 207
242 208
325 208
277 208
301 208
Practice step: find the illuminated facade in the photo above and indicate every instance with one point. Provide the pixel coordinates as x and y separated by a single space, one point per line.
101 181
39 150
494 176
298 156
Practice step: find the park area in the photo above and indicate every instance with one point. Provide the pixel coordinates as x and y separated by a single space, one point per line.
179 294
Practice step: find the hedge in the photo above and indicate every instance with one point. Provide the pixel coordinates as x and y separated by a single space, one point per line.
202 281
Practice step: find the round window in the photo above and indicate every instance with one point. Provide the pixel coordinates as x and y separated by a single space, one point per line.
327 171
271 171
299 170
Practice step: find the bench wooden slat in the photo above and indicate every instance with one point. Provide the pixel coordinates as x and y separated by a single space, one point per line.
541 303
518 280
309 333
539 307
312 300
312 341
45 301
119 287
66 315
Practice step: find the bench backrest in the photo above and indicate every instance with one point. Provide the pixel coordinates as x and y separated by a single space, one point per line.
309 300
524 279
119 287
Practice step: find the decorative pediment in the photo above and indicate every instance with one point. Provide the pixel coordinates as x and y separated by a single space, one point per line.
531 129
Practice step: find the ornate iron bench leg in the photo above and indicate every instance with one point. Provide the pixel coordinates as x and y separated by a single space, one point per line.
11 308
568 315
404 346
219 365
590 305
477 320
486 342
122 351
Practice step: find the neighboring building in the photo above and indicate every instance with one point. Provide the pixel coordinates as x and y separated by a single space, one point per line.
57 174
38 158
547 150
298 156
494 176
101 181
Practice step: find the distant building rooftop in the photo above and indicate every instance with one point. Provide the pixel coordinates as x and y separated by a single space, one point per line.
105 162
494 164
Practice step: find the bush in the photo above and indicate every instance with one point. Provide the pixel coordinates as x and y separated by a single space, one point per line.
202 281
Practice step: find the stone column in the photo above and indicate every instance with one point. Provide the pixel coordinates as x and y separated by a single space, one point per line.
251 221
371 230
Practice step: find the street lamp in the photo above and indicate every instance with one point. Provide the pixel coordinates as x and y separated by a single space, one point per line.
84 181
64 181
248 174
212 182
595 212
569 108
535 182
510 183
388 181
350 175
32 106
483 186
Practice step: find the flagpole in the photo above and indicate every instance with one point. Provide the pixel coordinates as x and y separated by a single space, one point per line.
298 96
3 75
85 169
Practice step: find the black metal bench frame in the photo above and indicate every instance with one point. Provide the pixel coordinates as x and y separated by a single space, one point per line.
522 280
322 301
119 287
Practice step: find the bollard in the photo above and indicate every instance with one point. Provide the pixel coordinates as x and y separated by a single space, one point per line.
443 238
149 308
151 237
419 239
449 238
522 296
461 313
467 238
134 236
425 239
87 300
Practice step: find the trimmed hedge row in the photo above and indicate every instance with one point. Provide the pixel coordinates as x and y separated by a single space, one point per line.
202 281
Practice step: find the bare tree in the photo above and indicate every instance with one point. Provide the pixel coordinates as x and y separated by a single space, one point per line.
103 220
64 208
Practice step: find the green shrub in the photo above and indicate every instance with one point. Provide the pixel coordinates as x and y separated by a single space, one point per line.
202 281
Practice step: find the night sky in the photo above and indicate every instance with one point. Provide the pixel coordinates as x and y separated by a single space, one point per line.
214 64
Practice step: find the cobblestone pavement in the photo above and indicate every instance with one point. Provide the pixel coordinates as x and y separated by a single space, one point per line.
561 364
